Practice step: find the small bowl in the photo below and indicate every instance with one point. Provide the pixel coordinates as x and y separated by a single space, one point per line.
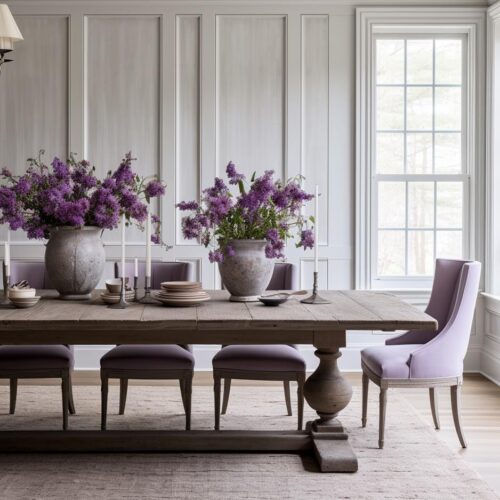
273 301
21 293
115 285
26 302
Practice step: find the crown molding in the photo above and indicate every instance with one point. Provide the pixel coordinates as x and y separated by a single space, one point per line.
494 11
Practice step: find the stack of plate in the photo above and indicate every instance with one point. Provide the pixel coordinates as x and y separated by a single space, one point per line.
181 293
25 302
113 298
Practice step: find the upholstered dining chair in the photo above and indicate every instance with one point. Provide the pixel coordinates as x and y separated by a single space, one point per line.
149 362
37 361
262 362
429 359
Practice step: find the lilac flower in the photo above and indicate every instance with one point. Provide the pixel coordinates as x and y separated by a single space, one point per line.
155 219
5 172
187 205
155 238
154 189
215 256
272 235
274 250
109 183
23 186
233 175
230 251
60 169
73 213
307 238
124 175
191 228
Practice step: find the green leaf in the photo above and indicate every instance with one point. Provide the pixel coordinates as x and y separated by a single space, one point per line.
253 176
312 219
242 187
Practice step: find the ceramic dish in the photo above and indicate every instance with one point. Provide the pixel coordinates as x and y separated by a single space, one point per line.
115 285
24 303
21 293
273 301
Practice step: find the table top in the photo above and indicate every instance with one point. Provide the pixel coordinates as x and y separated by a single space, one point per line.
217 321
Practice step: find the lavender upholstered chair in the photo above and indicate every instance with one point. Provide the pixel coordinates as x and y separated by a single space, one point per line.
262 362
37 361
149 362
433 358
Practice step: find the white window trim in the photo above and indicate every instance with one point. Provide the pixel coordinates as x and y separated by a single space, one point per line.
469 21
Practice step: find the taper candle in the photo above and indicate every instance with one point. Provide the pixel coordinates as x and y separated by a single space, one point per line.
123 246
316 227
7 253
148 243
136 267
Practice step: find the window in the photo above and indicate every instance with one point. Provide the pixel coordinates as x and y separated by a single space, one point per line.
420 181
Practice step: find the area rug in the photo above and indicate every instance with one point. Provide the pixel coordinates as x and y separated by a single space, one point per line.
413 465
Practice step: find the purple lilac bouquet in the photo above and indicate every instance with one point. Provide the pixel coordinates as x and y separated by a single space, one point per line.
264 209
69 194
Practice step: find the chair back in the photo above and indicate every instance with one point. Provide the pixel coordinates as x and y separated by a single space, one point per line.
443 356
445 287
32 271
161 271
284 277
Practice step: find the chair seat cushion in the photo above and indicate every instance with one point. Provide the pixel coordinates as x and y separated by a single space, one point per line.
389 361
272 358
36 357
148 357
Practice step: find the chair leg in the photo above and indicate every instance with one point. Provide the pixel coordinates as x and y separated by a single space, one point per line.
456 392
300 402
188 385
71 401
104 401
434 406
183 393
286 386
381 422
225 399
217 401
13 395
65 400
123 395
366 382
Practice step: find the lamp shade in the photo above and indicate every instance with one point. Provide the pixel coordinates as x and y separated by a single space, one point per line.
9 32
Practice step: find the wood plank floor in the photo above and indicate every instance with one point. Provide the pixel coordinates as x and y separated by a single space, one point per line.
480 415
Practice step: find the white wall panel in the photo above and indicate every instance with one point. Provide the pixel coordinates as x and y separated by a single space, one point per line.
122 97
187 160
315 113
251 87
34 96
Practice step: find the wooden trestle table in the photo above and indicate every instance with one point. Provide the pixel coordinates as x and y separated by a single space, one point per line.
218 321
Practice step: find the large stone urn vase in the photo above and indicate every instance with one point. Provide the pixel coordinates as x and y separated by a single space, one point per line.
75 259
248 272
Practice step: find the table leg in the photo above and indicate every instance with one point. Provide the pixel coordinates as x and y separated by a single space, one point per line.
328 393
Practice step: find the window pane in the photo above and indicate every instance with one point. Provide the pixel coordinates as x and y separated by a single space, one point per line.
419 61
390 108
419 108
449 244
390 153
390 61
449 204
391 253
391 204
419 153
421 204
448 108
420 253
448 153
448 61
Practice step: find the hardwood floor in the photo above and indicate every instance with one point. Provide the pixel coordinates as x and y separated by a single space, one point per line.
480 415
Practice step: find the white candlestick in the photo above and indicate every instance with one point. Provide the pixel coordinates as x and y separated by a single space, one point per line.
316 227
136 267
148 244
7 254
123 245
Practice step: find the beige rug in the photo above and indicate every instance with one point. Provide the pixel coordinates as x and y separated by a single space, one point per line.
414 464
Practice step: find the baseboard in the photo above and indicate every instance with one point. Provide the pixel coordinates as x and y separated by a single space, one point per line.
490 367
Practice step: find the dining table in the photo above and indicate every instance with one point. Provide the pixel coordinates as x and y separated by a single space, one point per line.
217 321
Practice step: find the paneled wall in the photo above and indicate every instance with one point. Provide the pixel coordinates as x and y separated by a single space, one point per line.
187 87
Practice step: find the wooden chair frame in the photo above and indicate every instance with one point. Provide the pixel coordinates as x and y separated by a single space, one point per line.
454 383
286 377
185 378
68 405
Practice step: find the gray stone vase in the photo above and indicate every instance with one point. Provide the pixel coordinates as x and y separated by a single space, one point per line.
75 259
248 272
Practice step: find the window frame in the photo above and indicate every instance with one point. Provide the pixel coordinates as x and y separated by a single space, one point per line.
373 23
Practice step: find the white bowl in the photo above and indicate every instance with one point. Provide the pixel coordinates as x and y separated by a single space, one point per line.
114 285
21 293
